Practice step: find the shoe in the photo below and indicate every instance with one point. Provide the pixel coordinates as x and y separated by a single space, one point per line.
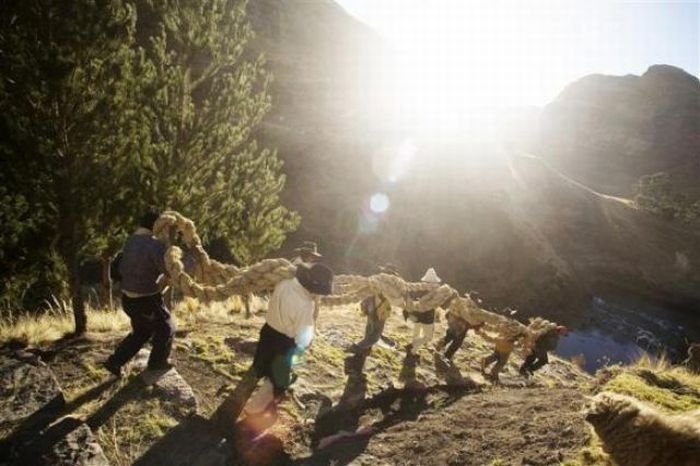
387 341
113 369
355 349
161 367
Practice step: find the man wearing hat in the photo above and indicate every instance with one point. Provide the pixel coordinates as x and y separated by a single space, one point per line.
546 342
288 330
307 254
377 308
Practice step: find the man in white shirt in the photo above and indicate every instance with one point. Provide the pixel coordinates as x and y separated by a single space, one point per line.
288 330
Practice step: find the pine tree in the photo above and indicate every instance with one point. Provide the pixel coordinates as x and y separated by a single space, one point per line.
204 97
65 96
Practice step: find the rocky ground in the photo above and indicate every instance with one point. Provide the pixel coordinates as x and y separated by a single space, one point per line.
60 407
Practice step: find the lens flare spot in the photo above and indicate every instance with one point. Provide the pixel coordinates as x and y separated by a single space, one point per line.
379 203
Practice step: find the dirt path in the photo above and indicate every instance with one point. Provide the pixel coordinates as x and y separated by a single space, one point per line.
384 408
534 426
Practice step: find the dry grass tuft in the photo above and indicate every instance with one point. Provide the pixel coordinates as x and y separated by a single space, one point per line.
56 321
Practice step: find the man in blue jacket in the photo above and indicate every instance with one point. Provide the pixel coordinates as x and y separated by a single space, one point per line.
142 263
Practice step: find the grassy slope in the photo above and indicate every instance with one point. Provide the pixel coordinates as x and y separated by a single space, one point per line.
214 346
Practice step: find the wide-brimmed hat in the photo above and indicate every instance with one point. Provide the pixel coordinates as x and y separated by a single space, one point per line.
389 268
316 278
431 276
308 247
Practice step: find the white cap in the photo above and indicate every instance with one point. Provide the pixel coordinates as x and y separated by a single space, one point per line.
431 276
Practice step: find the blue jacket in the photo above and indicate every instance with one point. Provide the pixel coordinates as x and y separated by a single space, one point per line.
142 263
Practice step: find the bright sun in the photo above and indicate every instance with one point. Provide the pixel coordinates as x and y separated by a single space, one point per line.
456 66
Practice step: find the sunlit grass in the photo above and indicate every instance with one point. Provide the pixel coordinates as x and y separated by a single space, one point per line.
56 321
653 380
656 381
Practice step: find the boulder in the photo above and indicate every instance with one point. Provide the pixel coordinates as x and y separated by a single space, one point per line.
171 384
26 388
78 447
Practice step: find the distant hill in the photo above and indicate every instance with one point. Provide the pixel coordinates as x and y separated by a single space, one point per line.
520 231
607 131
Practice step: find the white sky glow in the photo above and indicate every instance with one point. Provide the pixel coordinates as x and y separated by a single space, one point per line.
454 55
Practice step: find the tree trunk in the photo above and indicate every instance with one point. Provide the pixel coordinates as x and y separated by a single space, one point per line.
79 315
107 281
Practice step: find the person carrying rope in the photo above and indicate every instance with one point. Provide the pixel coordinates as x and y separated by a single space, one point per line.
140 266
457 329
546 342
377 308
288 331
424 322
501 353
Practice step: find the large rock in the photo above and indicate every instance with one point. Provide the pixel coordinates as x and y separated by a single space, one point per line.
171 385
78 447
26 388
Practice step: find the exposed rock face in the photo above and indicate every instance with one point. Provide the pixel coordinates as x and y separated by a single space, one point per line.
78 447
30 402
26 388
607 131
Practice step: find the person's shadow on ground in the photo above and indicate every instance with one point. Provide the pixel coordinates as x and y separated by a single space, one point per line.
40 433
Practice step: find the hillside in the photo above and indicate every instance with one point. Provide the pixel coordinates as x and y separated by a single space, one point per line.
541 247
395 402
607 131
59 406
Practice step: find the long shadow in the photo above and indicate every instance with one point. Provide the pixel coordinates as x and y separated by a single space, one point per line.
336 438
222 439
24 436
128 392
396 406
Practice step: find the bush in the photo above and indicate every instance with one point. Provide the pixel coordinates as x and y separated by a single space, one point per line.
656 194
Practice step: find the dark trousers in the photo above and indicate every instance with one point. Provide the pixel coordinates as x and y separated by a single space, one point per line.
455 339
150 320
499 358
534 361
273 358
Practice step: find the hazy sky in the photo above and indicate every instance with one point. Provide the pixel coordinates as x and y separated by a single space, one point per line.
523 52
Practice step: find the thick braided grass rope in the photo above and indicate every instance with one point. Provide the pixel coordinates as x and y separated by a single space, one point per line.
214 281
206 270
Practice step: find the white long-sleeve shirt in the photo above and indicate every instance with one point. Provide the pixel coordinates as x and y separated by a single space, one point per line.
291 311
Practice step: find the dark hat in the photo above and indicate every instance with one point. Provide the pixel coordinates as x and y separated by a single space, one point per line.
317 278
389 268
308 247
149 219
